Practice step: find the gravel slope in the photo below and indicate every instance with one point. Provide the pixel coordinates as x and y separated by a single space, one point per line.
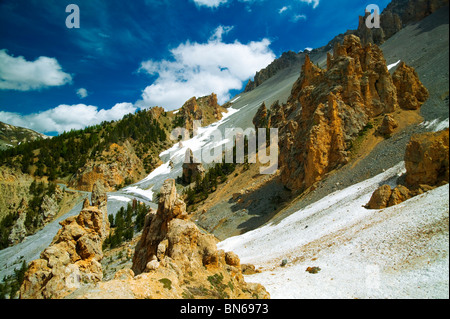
399 252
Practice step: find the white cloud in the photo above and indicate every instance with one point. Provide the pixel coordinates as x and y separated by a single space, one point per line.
200 69
82 93
283 9
66 117
16 73
210 3
315 3
298 17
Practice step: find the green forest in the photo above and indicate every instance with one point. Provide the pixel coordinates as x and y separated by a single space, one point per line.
125 224
62 155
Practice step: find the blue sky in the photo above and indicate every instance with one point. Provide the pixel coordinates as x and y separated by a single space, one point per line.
136 54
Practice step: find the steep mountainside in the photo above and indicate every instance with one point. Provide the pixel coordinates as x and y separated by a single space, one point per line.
329 108
347 123
118 152
397 15
11 136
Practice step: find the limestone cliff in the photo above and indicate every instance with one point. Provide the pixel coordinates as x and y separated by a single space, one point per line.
328 108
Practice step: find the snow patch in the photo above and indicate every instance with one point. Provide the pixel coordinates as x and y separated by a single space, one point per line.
119 198
436 125
234 100
361 253
393 65
138 191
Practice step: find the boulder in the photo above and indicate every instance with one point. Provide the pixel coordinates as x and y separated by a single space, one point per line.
388 125
399 194
427 167
411 92
427 159
380 198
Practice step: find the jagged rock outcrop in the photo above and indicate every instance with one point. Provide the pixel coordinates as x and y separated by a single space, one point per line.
427 167
394 17
261 118
328 108
116 165
174 259
204 109
191 168
73 258
388 126
410 91
427 159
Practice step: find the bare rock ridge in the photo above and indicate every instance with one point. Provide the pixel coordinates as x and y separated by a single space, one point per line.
286 60
328 108
394 17
73 258
427 167
205 109
11 136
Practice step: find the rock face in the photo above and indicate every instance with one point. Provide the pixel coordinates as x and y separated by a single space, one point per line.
118 164
72 259
191 168
427 167
174 259
328 108
19 231
427 159
411 92
204 109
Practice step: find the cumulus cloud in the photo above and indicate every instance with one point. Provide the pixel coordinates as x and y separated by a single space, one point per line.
210 3
198 69
82 93
16 73
315 3
67 117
